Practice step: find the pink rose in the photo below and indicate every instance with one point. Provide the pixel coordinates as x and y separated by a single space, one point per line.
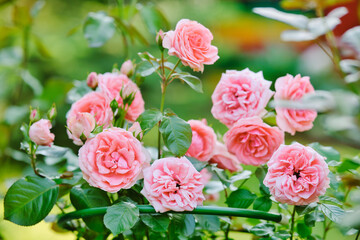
92 80
293 88
80 124
173 184
40 134
112 83
127 68
95 103
297 175
224 159
191 42
240 94
112 160
253 141
203 140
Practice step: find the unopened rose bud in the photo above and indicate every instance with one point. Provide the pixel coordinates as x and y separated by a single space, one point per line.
34 115
159 39
52 112
127 68
114 105
128 92
80 126
40 133
92 80
136 130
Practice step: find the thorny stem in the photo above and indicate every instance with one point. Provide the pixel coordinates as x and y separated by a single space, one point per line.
33 162
357 235
162 103
292 224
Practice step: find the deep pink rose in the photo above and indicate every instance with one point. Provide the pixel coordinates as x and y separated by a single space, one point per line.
112 83
112 160
224 159
40 134
297 175
173 184
253 141
95 103
78 124
240 94
203 140
191 42
293 88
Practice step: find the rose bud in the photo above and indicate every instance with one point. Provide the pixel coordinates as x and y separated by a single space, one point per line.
80 126
52 112
159 39
92 80
40 133
34 115
127 68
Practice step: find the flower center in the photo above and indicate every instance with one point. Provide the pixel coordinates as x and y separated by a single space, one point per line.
297 174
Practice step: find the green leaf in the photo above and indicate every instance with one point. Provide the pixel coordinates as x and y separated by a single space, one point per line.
282 234
98 28
53 151
263 229
29 200
191 80
151 18
334 213
262 203
146 68
89 197
303 230
328 152
149 119
329 199
121 217
209 222
32 82
157 223
240 198
199 165
304 209
79 90
348 164
311 218
176 134
181 224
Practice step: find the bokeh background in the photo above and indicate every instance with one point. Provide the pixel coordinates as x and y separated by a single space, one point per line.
42 54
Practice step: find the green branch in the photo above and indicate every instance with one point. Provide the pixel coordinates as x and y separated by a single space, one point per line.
202 210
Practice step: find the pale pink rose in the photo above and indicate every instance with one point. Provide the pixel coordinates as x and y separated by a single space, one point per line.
297 175
191 42
240 94
253 141
173 184
78 124
203 140
92 80
40 134
136 130
293 88
205 176
112 83
95 103
224 159
127 68
112 160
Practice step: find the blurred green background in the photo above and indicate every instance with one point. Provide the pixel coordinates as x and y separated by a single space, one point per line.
57 53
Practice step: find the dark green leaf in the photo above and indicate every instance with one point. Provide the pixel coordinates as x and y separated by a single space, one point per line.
311 218
329 199
176 134
304 209
89 197
146 68
328 152
121 217
282 234
334 213
209 222
334 182
262 203
98 28
29 200
240 198
348 164
149 119
193 81
263 229
303 230
199 165
53 151
157 223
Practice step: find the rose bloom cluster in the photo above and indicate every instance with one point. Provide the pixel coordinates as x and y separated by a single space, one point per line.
115 159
